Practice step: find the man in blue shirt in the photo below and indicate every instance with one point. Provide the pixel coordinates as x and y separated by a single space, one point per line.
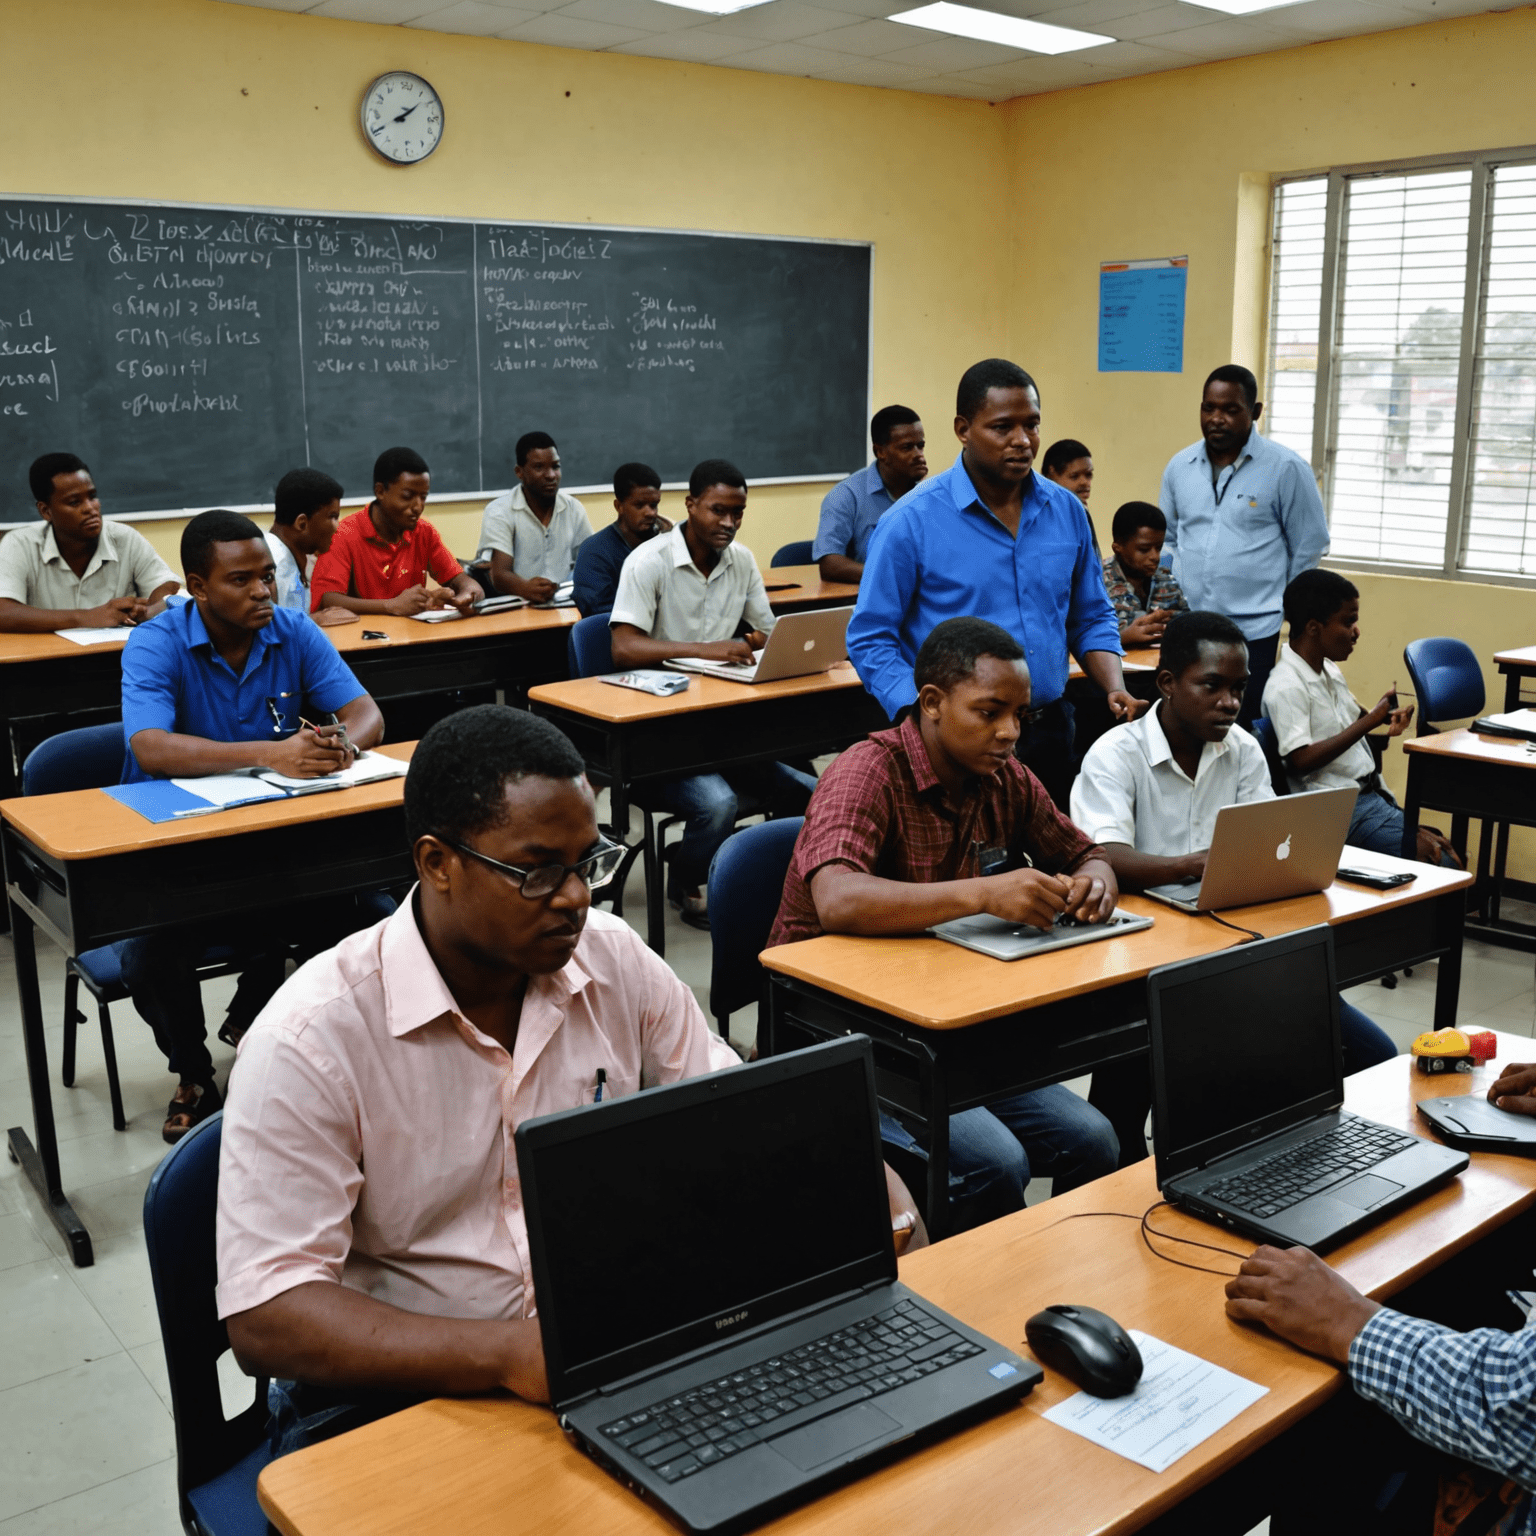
636 496
990 538
225 682
850 510
1244 519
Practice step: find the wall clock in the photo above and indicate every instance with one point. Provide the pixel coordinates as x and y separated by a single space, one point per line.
402 117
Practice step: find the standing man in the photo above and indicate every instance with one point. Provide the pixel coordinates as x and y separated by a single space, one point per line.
531 534
636 497
850 510
1244 519
991 539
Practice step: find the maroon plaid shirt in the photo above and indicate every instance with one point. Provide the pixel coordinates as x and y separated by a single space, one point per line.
881 809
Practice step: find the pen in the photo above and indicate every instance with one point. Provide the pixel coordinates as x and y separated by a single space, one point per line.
602 1077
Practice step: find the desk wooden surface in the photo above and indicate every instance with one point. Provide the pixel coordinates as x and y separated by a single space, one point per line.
942 986
497 1465
50 647
606 701
88 824
1523 656
348 638
1133 661
1469 746
800 586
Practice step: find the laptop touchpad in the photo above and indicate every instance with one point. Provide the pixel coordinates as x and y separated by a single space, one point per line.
835 1436
1366 1191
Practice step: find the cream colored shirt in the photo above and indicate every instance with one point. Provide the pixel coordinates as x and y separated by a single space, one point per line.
124 564
368 1126
662 592
509 526
1306 706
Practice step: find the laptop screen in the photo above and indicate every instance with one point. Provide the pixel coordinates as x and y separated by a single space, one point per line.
664 1231
1245 1044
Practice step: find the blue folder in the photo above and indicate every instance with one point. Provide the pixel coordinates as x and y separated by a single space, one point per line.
160 800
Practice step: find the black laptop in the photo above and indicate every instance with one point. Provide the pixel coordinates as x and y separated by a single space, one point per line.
1248 1094
723 1328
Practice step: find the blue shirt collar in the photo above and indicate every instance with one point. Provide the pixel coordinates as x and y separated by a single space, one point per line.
962 491
1254 448
198 636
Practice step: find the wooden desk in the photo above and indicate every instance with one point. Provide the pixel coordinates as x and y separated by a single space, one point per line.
88 871
489 1465
953 1029
1133 663
1516 666
799 588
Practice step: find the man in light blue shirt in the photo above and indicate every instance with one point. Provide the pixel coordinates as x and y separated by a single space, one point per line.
850 510
990 538
1244 519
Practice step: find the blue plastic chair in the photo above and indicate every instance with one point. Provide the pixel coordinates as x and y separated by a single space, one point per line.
589 650
746 884
798 553
1263 731
217 1460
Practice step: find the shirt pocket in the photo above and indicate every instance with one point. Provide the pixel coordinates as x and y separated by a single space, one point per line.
616 1085
1046 571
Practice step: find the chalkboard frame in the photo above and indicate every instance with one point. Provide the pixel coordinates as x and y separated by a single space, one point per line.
810 477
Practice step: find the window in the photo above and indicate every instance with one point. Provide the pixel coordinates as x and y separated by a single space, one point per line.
1402 359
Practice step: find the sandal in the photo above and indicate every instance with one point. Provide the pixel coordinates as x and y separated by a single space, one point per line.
193 1113
230 1032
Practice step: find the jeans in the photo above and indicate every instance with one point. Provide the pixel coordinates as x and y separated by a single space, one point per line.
299 1415
709 804
1261 662
1366 1043
994 1152
1045 749
1377 824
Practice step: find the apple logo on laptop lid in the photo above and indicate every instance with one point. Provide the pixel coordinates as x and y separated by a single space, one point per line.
810 645
1284 850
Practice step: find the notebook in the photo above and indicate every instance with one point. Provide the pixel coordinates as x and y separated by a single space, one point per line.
161 800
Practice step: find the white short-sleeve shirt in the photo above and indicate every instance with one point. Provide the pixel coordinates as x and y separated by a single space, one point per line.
1306 706
662 592
509 526
124 564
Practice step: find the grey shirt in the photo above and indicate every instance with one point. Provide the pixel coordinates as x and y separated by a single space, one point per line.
662 592
124 564
509 526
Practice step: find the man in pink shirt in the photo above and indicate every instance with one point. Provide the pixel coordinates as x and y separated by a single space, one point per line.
371 1240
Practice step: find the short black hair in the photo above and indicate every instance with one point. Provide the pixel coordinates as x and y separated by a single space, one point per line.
1317 594
715 472
629 477
302 491
530 442
40 475
887 419
1187 632
948 656
1134 515
981 378
219 526
1234 373
1064 451
461 767
394 462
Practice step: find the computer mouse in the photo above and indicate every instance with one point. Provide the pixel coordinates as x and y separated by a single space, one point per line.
1087 1347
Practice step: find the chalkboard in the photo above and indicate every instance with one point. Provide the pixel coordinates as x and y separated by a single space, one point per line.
192 355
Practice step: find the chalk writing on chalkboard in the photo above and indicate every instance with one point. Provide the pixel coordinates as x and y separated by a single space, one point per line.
1141 315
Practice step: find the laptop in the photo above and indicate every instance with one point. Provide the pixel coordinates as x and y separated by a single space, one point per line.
722 1323
1012 941
1247 1100
800 643
1266 850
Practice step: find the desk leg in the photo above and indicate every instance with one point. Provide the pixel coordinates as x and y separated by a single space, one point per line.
1451 921
1411 812
934 1093
41 1163
1512 681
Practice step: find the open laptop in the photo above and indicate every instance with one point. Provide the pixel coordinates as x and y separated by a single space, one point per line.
799 644
1248 1094
1266 850
723 1328
1003 940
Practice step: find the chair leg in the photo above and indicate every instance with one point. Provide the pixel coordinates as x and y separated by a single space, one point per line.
72 1018
109 1056
1500 860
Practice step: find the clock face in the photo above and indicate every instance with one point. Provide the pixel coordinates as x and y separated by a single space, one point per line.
402 117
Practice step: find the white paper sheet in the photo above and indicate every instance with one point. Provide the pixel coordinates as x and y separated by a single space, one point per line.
368 767
436 615
228 788
1180 1401
94 636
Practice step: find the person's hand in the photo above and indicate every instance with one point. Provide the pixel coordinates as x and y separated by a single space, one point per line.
1515 1089
1191 866
1124 707
1028 896
1429 844
1294 1294
727 650
522 1367
1147 629
465 598
305 755
444 597
904 1214
412 600
1397 721
537 589
1387 709
335 736
329 618
1093 892
112 615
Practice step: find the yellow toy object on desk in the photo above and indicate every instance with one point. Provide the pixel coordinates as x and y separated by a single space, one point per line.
1450 1050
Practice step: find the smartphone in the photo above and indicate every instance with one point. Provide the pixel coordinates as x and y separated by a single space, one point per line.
1376 879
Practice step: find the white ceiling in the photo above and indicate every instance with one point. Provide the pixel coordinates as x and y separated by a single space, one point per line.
850 40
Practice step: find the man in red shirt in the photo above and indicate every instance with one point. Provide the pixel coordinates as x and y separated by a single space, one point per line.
381 556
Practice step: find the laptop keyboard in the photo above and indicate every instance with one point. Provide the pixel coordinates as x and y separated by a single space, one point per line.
679 1435
1310 1168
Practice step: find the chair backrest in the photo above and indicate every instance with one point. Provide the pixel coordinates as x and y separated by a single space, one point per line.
180 1206
590 648
746 882
1447 679
798 553
87 758
1263 731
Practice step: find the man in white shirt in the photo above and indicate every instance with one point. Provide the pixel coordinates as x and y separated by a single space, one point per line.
531 534
73 569
688 593
307 507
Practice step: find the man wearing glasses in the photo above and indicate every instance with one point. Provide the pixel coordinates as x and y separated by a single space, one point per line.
372 1247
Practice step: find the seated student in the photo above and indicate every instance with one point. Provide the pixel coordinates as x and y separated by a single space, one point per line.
381 556
1144 594
214 685
937 819
73 569
688 593
850 510
1069 463
372 1247
636 496
307 506
1149 792
1320 726
531 534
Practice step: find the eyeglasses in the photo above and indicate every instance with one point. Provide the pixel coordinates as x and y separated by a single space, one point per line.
543 880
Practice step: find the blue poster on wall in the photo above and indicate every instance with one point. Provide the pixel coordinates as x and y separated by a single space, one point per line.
1141 315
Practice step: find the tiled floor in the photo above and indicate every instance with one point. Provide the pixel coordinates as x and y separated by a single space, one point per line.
84 1422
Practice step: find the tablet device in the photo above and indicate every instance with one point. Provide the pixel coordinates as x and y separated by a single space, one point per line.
1469 1120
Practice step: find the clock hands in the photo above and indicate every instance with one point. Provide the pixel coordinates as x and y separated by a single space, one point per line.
402 117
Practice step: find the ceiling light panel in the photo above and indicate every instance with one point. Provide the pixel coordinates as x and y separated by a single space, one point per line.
1009 31
716 7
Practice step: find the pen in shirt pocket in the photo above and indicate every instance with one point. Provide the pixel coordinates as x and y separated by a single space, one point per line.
597 1092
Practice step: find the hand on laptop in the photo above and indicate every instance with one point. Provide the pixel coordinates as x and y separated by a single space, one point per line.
725 650
1028 896
1294 1294
1515 1089
1093 892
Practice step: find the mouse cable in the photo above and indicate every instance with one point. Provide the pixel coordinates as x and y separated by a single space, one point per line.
1235 927
1148 1232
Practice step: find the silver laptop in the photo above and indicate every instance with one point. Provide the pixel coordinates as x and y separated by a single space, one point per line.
1248 1114
1267 850
801 643
1012 941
